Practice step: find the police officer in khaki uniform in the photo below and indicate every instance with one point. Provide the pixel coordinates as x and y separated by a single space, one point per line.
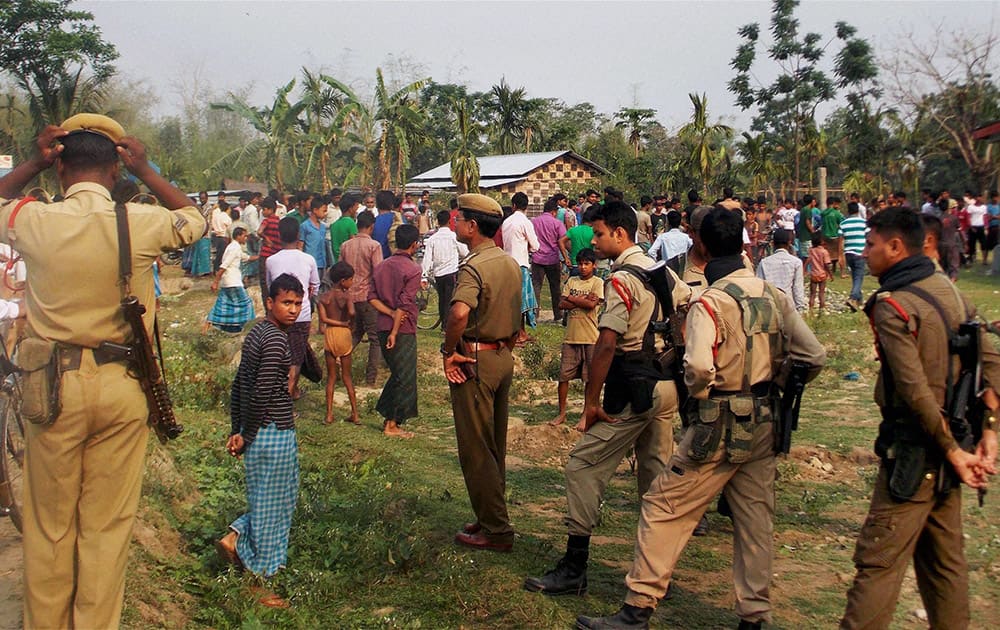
728 445
484 317
638 409
83 471
916 508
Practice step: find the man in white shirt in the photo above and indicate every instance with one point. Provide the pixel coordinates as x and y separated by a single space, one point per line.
519 241
442 253
673 242
219 225
784 270
862 208
250 217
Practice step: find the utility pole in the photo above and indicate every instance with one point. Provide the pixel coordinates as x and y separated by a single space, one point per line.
821 202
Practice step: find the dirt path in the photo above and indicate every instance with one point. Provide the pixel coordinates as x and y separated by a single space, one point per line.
11 564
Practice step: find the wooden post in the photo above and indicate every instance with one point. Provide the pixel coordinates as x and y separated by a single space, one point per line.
821 202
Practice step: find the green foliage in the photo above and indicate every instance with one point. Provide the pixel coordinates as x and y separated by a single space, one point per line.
464 165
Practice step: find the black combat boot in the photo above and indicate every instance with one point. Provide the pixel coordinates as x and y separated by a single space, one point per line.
627 618
748 625
569 577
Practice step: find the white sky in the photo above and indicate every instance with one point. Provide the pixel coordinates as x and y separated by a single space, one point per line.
612 54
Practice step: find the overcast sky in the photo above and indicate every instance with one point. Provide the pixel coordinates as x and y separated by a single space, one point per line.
612 54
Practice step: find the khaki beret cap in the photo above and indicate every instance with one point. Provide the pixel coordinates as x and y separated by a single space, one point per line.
697 216
95 123
479 203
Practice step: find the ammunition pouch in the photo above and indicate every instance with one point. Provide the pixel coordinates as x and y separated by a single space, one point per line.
736 417
38 361
907 469
631 380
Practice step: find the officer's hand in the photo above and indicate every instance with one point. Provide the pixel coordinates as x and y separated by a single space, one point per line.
987 451
452 371
591 414
48 148
968 467
235 445
133 155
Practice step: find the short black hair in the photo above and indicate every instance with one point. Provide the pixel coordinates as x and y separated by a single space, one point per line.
721 233
693 196
586 255
807 199
288 229
334 192
385 200
782 237
87 150
816 239
406 235
269 203
550 205
727 192
365 219
615 214
488 224
674 219
285 282
444 218
853 207
901 222
453 203
239 231
519 201
347 201
318 202
645 200
932 225
341 270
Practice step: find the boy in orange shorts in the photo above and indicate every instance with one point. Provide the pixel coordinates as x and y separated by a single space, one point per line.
336 310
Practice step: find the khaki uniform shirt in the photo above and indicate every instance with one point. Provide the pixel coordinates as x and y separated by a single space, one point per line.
70 249
489 282
704 372
919 365
628 305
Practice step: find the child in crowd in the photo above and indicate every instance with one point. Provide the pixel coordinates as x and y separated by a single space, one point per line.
263 429
581 296
234 307
336 310
313 231
820 270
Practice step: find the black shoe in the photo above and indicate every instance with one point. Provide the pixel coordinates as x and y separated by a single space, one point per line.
746 625
723 507
568 578
701 529
627 618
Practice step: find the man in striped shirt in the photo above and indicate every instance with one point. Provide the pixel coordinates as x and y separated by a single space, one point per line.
853 230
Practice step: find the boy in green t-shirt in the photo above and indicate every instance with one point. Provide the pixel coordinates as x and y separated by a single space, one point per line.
831 217
581 296
577 239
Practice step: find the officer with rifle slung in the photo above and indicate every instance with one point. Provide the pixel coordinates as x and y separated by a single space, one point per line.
738 333
82 390
936 391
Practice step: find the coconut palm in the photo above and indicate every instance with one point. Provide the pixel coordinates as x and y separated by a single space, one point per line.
402 125
634 121
54 98
330 108
505 108
706 142
757 162
464 165
280 125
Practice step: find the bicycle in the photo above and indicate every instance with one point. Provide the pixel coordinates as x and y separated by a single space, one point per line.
12 439
428 317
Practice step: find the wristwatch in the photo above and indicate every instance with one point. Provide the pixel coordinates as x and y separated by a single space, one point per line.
991 422
446 353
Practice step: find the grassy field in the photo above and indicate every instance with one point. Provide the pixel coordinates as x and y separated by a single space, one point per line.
371 542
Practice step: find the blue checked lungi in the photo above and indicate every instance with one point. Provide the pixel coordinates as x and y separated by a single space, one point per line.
529 303
232 310
272 468
201 257
253 248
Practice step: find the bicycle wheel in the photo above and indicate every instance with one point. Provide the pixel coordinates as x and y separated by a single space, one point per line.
12 462
427 317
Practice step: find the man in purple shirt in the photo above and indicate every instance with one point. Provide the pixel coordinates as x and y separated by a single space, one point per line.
545 261
393 294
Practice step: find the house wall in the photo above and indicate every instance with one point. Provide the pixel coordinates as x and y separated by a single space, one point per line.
565 174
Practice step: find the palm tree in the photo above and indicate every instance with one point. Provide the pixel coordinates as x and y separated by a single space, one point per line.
54 98
757 162
280 125
402 125
534 118
634 120
506 108
464 165
706 141
330 107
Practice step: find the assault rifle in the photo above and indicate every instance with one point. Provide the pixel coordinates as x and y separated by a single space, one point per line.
789 404
963 405
144 365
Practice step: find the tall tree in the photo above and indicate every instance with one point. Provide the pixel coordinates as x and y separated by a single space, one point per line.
402 125
634 120
330 106
56 55
505 108
464 165
706 141
787 106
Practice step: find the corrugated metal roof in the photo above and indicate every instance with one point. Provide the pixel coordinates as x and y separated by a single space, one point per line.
484 182
512 167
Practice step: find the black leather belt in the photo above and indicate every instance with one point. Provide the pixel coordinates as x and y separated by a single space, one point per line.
70 356
758 390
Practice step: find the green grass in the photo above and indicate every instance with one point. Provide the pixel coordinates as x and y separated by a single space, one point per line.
371 541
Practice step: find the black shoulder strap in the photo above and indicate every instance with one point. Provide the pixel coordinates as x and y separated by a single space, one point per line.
124 249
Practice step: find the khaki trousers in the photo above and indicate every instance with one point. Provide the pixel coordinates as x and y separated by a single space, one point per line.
480 408
596 456
675 503
83 475
928 529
